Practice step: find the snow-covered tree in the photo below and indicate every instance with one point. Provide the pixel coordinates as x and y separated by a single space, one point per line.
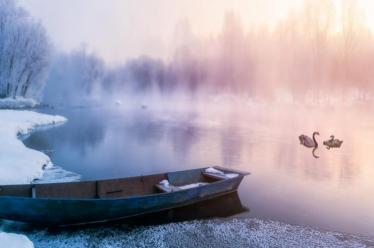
24 52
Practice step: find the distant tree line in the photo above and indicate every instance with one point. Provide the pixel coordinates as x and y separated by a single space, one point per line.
24 52
316 49
313 50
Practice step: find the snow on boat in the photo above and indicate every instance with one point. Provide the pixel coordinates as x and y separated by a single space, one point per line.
112 199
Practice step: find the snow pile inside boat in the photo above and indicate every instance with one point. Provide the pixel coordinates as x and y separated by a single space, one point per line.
192 185
165 183
219 173
214 171
231 175
19 164
11 240
165 186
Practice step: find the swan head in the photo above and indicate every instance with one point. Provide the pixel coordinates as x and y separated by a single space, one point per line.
315 133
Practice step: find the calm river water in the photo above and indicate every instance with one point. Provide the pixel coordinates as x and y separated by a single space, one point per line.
334 192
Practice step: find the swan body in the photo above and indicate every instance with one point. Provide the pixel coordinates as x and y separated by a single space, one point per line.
307 141
332 142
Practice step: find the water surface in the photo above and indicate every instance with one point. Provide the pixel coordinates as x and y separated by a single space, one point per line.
333 192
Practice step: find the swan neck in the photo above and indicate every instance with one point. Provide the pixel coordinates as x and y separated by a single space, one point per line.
314 139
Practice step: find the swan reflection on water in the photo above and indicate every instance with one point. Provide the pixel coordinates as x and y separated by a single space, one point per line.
314 155
310 142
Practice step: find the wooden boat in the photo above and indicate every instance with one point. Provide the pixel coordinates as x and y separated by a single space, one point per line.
106 200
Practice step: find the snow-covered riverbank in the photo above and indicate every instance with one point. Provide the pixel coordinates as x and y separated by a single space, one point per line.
19 164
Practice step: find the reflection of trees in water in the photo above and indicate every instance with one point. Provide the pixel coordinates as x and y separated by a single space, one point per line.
83 131
231 145
348 171
303 160
39 141
292 157
330 167
317 171
332 164
181 133
284 155
143 129
353 156
183 138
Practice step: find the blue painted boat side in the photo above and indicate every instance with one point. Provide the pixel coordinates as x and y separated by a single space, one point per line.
75 211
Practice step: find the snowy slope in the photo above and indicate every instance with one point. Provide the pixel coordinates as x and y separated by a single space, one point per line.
19 164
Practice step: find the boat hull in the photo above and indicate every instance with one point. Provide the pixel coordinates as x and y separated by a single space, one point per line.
61 212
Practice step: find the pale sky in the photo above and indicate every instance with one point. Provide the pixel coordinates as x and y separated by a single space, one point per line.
121 29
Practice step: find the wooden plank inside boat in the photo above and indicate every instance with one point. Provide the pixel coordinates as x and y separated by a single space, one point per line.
117 188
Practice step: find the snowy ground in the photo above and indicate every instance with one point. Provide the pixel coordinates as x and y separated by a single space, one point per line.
19 164
236 232
11 240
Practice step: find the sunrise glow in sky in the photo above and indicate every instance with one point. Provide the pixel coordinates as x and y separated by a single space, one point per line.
120 29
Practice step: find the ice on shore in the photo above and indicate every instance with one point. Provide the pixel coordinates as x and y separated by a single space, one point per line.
57 174
19 164
11 240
